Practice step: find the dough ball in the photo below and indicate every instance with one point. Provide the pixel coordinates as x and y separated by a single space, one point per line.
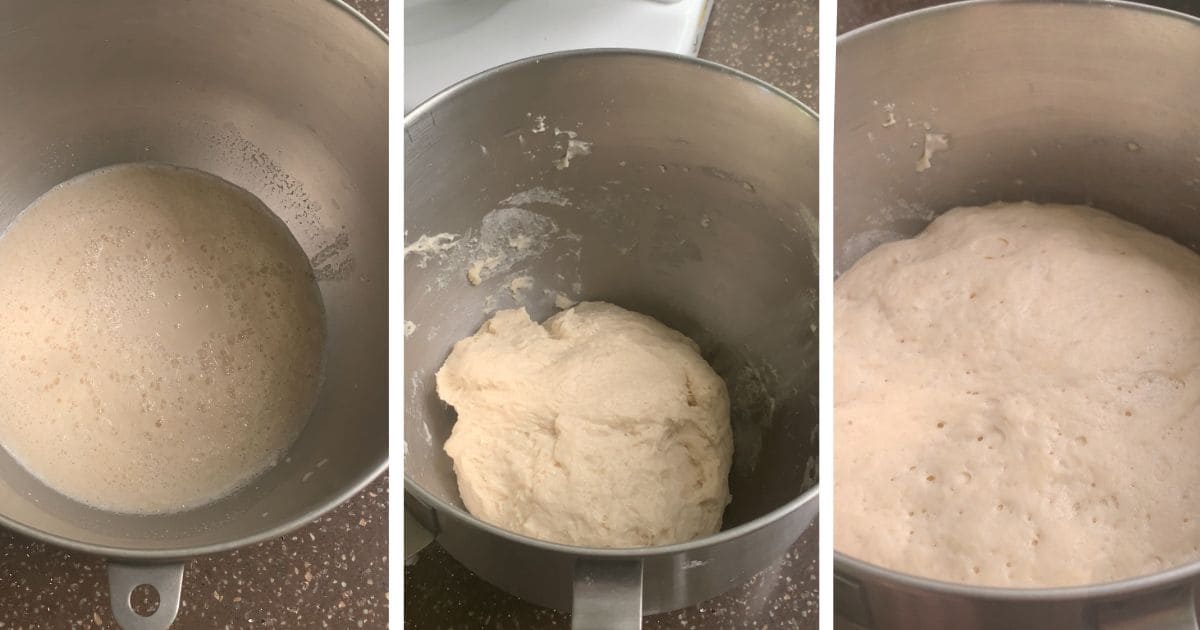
599 428
1017 394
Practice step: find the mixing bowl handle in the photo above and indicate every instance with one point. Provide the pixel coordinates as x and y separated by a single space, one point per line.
1173 609
416 537
607 595
167 579
420 527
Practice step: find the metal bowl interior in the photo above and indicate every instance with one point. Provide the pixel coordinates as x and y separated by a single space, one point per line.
696 205
287 100
1070 102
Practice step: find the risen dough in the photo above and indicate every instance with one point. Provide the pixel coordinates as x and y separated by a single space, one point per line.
600 428
1018 400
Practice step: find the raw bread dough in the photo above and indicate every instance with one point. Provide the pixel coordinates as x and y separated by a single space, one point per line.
1017 395
160 338
600 428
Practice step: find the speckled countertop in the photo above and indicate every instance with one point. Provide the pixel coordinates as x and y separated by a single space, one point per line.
775 40
333 573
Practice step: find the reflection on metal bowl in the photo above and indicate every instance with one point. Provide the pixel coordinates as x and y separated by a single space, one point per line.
1073 102
286 100
669 186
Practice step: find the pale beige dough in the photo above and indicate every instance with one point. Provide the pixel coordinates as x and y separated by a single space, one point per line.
160 338
1017 400
601 428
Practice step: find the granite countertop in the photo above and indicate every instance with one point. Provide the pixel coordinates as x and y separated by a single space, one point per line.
775 40
333 573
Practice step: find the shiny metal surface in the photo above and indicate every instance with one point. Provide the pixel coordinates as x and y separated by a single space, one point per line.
1076 102
696 205
285 98
165 579
608 595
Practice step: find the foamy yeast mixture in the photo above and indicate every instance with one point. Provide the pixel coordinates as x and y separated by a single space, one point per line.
1018 400
160 338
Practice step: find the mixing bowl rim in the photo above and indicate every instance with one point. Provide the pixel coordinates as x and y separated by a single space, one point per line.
425 497
362 19
170 554
950 7
465 84
439 506
1160 579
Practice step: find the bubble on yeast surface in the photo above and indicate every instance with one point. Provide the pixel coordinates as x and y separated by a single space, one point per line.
161 338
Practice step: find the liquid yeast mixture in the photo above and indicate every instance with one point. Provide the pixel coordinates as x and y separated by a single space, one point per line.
161 336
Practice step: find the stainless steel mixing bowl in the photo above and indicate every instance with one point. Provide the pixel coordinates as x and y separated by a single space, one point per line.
695 205
1077 102
285 98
